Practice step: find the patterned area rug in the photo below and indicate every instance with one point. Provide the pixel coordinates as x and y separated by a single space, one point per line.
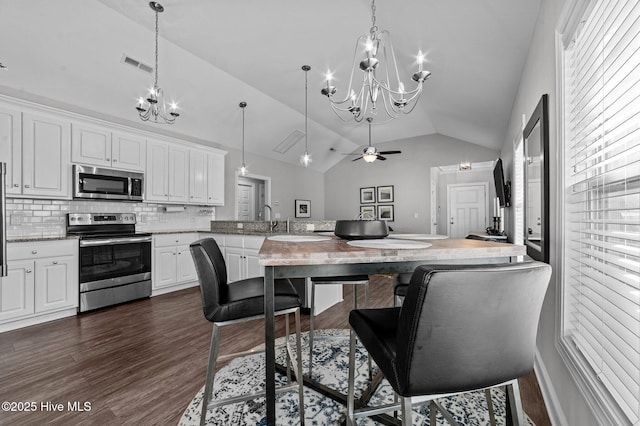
331 363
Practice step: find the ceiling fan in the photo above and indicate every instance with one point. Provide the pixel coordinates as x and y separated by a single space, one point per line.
370 153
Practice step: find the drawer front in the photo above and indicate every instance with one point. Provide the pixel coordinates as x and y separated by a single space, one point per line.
168 240
40 249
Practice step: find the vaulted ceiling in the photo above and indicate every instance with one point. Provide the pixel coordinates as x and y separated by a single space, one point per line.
214 54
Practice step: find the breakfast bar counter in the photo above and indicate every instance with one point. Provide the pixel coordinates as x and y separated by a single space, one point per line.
334 256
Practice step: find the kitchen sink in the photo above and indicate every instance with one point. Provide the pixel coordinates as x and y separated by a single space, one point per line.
299 238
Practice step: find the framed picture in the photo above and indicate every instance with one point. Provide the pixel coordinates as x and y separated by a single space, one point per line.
385 212
368 212
367 195
385 194
303 208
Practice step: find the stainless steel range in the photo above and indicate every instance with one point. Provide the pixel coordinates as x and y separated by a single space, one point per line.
115 261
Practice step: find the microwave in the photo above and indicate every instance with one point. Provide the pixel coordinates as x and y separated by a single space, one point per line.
107 184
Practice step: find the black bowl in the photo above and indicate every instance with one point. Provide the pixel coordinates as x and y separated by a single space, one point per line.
361 229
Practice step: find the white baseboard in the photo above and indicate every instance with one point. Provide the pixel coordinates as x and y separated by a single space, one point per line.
554 409
170 289
38 319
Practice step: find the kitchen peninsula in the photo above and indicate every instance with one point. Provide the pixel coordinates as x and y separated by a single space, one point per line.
335 257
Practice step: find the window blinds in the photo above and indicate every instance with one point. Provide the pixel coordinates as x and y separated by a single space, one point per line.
601 274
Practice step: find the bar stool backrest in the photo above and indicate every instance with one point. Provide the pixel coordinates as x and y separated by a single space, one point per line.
212 275
468 327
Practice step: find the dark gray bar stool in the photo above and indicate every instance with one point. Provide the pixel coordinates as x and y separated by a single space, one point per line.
354 280
461 328
226 303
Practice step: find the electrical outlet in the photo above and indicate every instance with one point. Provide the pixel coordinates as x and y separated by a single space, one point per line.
310 227
276 203
240 225
277 215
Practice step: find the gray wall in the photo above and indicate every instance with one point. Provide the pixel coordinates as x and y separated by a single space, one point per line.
539 77
408 172
288 183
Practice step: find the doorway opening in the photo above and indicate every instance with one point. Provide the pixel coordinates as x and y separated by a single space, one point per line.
480 173
252 193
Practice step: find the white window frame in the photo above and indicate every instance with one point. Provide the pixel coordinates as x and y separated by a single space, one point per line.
604 407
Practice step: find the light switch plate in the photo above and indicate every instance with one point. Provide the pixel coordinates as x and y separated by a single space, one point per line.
311 227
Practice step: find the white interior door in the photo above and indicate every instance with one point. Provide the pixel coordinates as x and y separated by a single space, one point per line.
246 201
467 207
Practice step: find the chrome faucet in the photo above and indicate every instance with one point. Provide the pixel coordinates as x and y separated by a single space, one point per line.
272 224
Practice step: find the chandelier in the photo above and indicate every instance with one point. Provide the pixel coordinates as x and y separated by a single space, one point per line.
243 168
305 159
378 66
153 108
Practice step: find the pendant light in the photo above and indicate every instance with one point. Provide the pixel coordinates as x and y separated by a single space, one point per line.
305 159
381 87
154 108
243 167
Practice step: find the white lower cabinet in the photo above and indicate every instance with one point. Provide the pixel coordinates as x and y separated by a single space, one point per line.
172 262
242 257
41 285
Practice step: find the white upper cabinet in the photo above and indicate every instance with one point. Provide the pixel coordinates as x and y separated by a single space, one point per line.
198 176
178 174
46 149
99 146
215 178
127 151
11 147
157 172
167 173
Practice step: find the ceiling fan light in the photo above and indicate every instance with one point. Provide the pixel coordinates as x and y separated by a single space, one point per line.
369 158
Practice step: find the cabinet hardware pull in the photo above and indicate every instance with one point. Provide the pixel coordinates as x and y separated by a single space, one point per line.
107 159
16 185
34 251
452 220
55 262
27 186
115 160
28 271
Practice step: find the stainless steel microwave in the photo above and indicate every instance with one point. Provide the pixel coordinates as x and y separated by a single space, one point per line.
107 184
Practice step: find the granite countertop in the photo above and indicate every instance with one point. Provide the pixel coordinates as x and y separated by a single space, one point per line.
337 251
29 239
173 231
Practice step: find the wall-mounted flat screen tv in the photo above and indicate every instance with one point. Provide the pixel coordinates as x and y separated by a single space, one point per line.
502 188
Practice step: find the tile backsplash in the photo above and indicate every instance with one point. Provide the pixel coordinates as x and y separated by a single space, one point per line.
44 218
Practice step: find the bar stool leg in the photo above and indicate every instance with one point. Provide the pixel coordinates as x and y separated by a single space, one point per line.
299 367
366 305
211 371
288 349
311 325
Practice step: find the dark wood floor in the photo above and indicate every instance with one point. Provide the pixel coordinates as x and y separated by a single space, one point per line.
141 363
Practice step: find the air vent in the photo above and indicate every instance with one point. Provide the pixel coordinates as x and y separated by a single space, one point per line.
288 142
135 63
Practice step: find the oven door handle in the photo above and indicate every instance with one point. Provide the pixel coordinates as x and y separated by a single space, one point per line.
114 241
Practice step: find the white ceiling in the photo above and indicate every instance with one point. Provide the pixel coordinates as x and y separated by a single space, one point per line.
214 54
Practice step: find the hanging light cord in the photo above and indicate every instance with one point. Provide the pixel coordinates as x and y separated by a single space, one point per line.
156 81
243 136
306 116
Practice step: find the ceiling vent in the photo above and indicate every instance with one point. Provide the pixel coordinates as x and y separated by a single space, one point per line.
288 142
135 63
